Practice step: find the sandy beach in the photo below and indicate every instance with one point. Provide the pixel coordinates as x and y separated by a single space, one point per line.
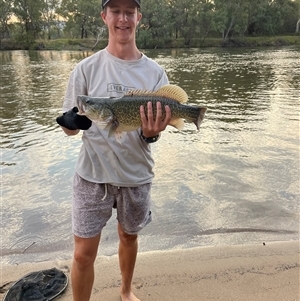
267 272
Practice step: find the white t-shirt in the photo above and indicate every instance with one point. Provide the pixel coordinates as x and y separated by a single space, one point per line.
103 159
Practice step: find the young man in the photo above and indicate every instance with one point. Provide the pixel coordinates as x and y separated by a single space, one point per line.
109 174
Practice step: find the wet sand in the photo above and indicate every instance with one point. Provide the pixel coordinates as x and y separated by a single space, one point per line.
254 272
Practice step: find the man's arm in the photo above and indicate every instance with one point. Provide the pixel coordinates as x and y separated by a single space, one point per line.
70 132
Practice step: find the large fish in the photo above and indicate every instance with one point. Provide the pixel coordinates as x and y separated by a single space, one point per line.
123 114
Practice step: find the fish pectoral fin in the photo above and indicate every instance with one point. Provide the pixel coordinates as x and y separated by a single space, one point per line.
112 127
101 124
104 124
178 123
120 136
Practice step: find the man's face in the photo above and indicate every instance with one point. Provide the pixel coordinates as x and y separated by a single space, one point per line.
121 18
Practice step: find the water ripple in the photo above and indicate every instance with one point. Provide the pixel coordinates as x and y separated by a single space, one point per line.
235 181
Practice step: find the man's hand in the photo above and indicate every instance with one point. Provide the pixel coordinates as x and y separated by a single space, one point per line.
152 126
72 121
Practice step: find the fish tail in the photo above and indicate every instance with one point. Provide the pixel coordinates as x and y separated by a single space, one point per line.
200 117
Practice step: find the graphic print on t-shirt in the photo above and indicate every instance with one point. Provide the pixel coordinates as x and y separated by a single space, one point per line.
111 87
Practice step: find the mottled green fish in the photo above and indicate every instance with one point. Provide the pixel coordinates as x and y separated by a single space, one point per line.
123 114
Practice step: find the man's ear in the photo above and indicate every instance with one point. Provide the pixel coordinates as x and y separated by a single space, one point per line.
103 16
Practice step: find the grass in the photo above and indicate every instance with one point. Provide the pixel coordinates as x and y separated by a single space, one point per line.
88 44
269 41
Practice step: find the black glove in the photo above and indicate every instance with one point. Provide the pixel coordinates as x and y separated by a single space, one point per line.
72 121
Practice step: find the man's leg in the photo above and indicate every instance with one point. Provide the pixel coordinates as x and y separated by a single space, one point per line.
128 248
82 273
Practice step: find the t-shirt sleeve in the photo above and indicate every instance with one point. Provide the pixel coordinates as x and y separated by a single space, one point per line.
76 86
162 81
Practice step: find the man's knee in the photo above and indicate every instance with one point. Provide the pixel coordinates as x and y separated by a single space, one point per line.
125 238
85 251
83 259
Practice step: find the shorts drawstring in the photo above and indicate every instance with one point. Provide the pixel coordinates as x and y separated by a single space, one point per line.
105 194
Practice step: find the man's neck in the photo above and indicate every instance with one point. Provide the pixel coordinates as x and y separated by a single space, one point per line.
124 51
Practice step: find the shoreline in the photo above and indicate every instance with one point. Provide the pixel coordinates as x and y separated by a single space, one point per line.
89 44
240 272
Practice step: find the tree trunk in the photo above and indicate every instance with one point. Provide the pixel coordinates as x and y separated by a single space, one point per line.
297 26
202 42
99 36
229 28
82 32
49 31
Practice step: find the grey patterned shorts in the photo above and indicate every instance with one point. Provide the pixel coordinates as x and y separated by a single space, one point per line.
93 204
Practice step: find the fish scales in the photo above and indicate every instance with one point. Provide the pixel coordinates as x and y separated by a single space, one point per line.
127 108
123 114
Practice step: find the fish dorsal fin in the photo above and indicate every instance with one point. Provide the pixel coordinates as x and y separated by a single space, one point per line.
174 92
170 91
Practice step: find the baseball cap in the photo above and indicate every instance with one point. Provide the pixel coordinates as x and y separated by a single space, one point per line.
104 3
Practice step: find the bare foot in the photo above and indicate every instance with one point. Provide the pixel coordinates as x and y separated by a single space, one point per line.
129 297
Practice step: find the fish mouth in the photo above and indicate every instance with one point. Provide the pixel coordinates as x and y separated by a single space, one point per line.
80 104
81 110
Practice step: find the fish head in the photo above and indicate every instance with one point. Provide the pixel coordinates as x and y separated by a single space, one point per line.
93 107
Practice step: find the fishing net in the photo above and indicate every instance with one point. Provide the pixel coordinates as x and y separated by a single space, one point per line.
38 286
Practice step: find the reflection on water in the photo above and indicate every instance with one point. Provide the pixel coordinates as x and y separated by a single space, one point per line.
236 181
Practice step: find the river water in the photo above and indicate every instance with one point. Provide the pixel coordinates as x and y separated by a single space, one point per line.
234 182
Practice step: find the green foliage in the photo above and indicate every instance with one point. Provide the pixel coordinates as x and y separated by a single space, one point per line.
29 14
166 23
82 17
5 14
26 40
50 19
154 30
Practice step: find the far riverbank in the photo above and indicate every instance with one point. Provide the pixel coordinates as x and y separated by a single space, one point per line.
91 44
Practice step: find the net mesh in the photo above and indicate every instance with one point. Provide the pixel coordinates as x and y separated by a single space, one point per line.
38 286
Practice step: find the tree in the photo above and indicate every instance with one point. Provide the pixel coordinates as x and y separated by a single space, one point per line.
29 14
82 19
264 24
279 10
50 17
187 17
275 17
290 13
231 16
156 24
298 22
206 19
5 14
163 21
